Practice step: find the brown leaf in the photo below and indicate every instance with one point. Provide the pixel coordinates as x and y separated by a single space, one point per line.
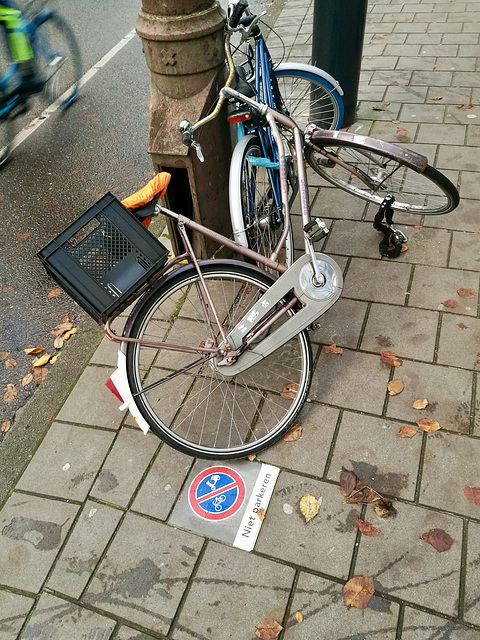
348 481
309 506
463 292
65 318
404 247
22 236
55 292
10 394
429 425
268 629
472 494
34 350
358 492
401 131
421 403
10 362
8 289
4 354
384 509
27 379
358 591
469 105
332 348
41 360
367 528
293 434
252 457
61 328
395 386
299 617
396 121
391 358
460 325
58 342
406 432
394 84
439 539
261 513
39 374
6 426
450 304
289 391
436 98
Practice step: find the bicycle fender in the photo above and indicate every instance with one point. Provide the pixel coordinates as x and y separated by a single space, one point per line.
315 301
309 68
236 213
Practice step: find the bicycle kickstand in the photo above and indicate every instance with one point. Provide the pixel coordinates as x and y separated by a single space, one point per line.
391 245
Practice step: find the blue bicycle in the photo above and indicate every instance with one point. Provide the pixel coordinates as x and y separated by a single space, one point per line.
58 63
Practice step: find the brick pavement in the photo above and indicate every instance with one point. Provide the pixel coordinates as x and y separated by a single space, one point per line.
87 549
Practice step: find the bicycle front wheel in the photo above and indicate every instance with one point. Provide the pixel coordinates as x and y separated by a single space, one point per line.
196 408
308 97
425 192
257 220
58 56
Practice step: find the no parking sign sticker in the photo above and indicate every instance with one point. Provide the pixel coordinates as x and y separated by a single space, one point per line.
217 493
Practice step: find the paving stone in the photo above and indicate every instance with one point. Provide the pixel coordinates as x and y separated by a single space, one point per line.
90 402
473 135
424 113
415 62
411 94
460 342
463 218
311 450
396 133
447 469
368 110
162 485
127 633
325 543
385 77
341 324
144 573
377 280
472 605
84 547
470 185
57 619
448 134
343 381
410 333
465 251
418 625
424 38
405 566
14 608
370 448
432 286
216 606
33 530
460 157
125 465
447 390
454 113
67 461
321 603
427 246
337 204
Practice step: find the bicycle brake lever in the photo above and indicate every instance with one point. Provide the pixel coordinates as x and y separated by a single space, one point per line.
198 149
187 138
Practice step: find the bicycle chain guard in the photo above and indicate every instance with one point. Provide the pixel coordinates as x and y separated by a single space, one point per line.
314 298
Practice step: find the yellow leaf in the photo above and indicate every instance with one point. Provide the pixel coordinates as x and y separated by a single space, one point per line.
261 513
309 506
332 348
58 342
421 403
54 359
11 362
268 629
55 292
429 425
34 350
299 617
252 457
67 334
358 591
406 432
27 379
39 362
293 433
395 386
6 426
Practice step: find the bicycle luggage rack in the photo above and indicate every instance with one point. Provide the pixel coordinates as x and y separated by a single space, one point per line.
103 258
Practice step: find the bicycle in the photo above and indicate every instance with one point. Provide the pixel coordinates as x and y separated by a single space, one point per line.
57 57
304 92
215 357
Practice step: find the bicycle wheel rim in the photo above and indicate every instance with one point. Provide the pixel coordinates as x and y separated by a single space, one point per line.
58 56
428 192
202 412
310 99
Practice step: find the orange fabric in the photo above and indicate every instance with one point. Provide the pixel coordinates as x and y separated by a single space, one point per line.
158 184
146 222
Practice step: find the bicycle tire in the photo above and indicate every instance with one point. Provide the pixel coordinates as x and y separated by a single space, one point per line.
202 412
58 56
252 205
417 191
7 135
298 85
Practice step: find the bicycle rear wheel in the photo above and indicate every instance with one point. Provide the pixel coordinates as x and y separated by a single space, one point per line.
58 56
418 192
200 411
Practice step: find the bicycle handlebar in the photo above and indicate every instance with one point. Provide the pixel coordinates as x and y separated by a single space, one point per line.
235 11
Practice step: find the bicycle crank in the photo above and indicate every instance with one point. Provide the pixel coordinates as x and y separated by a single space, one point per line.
315 297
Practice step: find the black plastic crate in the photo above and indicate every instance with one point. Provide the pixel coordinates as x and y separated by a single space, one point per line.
103 258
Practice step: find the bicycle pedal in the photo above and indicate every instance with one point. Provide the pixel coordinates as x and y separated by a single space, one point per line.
315 230
262 162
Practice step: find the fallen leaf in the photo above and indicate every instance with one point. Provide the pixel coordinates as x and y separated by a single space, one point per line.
40 361
261 513
6 426
10 362
420 403
299 616
367 528
396 121
469 105
268 629
34 350
293 434
252 457
61 328
404 247
54 292
466 293
418 226
358 591
289 391
10 394
391 358
451 304
309 506
58 342
27 379
478 338
332 348
406 432
439 539
65 318
4 354
436 98
348 481
67 334
39 374
8 289
395 386
394 84
472 494
54 359
429 425
460 325
401 131
356 492
22 236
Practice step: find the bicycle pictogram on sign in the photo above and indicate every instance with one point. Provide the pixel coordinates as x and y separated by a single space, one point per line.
216 493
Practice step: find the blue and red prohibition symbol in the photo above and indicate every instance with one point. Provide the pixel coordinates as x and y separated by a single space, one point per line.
216 493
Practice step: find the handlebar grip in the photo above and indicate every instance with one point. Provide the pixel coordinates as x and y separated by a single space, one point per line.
237 12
